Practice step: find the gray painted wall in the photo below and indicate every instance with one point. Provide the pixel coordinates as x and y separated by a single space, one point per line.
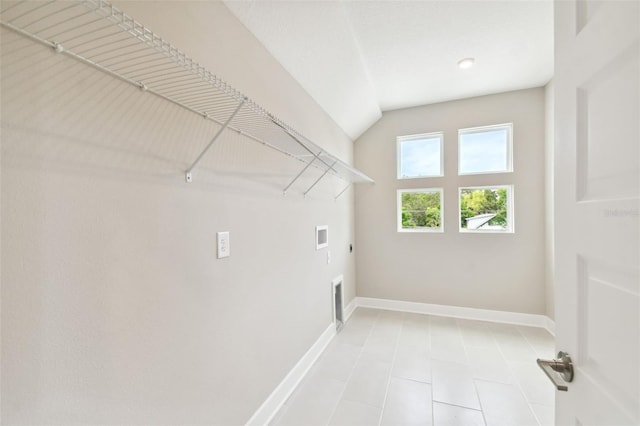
488 271
114 307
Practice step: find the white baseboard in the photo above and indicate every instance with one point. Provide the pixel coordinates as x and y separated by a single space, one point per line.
348 310
272 404
278 397
516 318
550 325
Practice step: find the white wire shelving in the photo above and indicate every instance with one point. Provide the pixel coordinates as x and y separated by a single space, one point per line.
104 37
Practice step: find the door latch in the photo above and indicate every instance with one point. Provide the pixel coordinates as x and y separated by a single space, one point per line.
559 370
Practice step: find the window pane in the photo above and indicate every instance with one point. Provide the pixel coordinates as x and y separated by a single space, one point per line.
419 156
485 150
420 210
485 209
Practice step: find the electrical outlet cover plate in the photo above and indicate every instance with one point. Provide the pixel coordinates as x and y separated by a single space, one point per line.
224 250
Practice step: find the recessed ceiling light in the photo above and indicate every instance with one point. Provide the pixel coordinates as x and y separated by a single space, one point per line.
466 63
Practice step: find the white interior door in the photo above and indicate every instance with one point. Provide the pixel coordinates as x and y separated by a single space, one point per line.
597 182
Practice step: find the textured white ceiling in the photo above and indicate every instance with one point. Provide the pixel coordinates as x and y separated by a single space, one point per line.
358 58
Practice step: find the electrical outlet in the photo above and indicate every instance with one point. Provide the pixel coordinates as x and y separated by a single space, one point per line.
224 250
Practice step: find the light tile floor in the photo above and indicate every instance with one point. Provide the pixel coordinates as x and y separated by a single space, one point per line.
393 368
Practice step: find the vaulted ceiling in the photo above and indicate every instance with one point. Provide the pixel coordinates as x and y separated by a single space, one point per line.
359 58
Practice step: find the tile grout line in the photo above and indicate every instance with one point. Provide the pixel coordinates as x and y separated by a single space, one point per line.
518 381
495 337
393 361
495 342
515 382
459 406
433 407
473 379
355 364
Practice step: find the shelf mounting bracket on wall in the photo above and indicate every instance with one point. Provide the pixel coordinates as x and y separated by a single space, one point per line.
315 157
188 176
343 191
320 178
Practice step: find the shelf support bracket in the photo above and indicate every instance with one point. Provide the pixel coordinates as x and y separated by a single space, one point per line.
188 176
343 191
320 178
315 157
284 129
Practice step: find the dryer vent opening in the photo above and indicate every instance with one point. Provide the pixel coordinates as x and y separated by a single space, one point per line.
338 308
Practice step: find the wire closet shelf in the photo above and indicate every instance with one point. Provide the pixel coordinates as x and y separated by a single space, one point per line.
99 34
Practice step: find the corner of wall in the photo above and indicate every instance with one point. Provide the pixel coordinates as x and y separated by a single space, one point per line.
548 178
518 289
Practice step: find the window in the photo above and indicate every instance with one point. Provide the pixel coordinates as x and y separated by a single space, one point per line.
420 210
420 155
486 209
485 149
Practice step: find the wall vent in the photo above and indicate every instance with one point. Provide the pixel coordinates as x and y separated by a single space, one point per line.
338 304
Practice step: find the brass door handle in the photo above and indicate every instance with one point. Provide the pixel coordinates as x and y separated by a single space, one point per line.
558 369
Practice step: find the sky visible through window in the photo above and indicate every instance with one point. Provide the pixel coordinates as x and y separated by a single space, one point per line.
420 157
484 151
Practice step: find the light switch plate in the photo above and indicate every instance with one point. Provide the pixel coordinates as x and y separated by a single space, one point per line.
224 250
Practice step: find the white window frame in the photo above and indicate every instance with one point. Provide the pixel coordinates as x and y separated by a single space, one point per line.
508 126
399 210
510 211
408 138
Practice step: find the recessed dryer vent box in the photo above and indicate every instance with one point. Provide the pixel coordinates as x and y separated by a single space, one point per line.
322 236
